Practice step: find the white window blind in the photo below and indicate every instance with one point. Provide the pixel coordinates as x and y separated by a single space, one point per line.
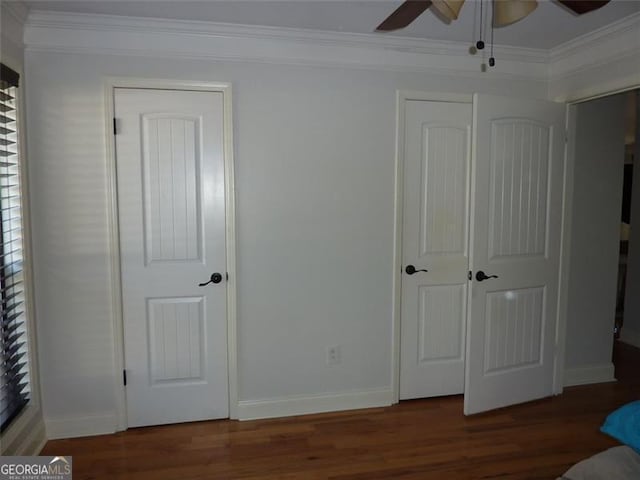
15 391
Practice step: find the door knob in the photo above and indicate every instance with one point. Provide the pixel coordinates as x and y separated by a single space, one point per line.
481 276
410 269
215 278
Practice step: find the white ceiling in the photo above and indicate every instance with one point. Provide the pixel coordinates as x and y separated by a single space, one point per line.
548 26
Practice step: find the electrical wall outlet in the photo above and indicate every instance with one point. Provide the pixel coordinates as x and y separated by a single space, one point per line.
333 355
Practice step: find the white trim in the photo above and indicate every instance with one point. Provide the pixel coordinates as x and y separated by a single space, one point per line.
630 337
472 234
101 22
17 9
565 252
22 431
81 426
34 442
28 252
114 255
309 404
396 299
589 374
402 97
408 95
114 244
39 446
112 34
13 15
595 48
109 34
23 425
602 89
596 64
230 239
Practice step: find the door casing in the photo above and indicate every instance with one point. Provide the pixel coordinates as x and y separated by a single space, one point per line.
402 97
110 84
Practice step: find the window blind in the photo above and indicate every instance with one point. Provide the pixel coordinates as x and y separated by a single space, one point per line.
15 391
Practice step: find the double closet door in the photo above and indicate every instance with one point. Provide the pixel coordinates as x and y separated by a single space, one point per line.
483 188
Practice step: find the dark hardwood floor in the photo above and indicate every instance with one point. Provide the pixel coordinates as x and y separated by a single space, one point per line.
422 439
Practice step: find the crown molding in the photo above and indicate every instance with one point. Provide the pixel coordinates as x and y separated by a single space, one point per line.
84 33
17 9
610 44
13 16
76 21
602 62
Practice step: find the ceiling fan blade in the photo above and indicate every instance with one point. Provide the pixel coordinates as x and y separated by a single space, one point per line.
404 15
583 6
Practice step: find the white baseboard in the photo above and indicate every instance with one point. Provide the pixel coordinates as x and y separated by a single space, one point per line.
39 446
34 442
26 436
303 405
82 426
631 337
589 374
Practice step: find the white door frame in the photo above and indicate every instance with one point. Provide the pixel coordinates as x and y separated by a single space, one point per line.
110 84
565 252
403 96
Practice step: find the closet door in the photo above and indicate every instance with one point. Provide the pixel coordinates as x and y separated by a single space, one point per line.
171 205
435 248
518 177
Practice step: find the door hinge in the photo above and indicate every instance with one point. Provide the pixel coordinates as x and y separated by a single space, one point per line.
124 377
470 275
115 126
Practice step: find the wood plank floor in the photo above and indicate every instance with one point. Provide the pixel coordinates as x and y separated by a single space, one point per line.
423 439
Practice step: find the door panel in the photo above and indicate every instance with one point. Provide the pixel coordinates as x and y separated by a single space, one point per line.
435 232
513 336
441 318
443 216
170 173
176 331
519 188
516 223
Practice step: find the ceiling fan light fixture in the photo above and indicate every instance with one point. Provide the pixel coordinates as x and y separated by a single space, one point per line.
448 8
507 12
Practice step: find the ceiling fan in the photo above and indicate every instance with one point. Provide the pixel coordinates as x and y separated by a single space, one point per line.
506 11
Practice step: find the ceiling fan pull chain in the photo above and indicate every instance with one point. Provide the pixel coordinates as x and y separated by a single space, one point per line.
492 60
480 43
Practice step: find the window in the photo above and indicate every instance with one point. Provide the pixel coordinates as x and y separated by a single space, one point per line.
14 360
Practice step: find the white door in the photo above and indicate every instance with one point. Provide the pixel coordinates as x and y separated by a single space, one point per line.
171 202
435 238
516 227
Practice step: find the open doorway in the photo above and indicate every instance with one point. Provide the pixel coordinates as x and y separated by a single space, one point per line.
625 220
630 327
601 302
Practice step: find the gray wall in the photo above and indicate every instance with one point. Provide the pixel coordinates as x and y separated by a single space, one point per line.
595 235
314 152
